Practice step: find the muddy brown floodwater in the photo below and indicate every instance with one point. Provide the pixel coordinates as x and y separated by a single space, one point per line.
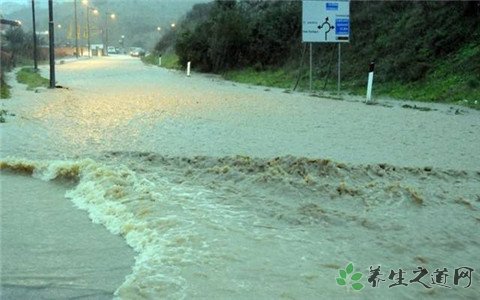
230 191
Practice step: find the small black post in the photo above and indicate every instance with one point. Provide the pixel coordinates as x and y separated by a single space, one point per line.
51 44
35 63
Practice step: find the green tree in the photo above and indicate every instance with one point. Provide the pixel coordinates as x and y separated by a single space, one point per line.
16 43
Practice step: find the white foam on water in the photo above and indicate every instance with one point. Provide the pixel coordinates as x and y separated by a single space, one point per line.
244 237
106 195
158 220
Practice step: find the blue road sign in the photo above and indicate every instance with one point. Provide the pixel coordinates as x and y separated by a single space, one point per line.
332 6
326 21
342 26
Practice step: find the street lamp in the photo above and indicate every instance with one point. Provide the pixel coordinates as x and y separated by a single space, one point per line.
172 25
122 42
111 16
76 28
95 12
57 36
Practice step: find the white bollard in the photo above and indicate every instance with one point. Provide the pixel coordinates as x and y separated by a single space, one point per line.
370 81
160 61
188 69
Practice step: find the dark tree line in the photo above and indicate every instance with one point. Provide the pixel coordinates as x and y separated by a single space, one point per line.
224 35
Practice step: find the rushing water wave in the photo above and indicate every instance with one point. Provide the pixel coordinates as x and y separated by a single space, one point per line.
242 227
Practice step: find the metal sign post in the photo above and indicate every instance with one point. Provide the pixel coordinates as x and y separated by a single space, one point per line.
326 21
339 62
311 66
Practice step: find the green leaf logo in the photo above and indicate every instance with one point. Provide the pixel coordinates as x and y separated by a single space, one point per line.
344 274
349 268
357 286
357 276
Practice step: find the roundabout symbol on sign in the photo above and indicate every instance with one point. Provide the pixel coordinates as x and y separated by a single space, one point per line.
328 27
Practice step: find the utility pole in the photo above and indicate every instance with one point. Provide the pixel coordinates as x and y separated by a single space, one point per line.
76 28
51 44
106 36
88 31
112 16
95 12
35 63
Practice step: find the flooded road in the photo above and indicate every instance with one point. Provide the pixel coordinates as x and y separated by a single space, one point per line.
228 191
120 104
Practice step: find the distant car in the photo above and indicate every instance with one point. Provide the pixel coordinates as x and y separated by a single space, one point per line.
137 52
112 50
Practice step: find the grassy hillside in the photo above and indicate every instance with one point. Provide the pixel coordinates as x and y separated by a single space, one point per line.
427 51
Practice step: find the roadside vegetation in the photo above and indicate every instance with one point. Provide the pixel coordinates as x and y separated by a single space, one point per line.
426 51
169 60
31 78
3 114
4 90
17 49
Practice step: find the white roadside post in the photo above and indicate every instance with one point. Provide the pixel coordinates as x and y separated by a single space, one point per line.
370 81
159 60
188 69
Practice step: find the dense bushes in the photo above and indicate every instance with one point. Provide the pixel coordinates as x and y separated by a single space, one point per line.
13 41
224 35
17 47
18 44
